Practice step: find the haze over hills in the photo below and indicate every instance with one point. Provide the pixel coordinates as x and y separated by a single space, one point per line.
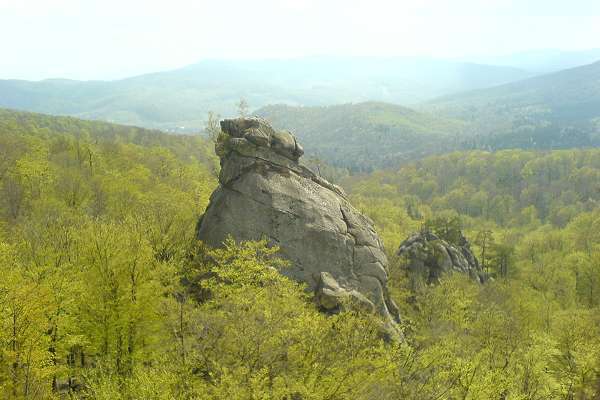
545 61
180 99
555 110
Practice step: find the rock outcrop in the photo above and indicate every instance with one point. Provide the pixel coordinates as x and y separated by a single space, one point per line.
265 192
428 257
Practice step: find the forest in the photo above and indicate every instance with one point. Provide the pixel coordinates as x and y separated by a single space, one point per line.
106 294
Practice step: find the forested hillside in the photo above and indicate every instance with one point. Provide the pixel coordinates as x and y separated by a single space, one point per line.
513 196
366 136
552 187
93 218
532 218
105 294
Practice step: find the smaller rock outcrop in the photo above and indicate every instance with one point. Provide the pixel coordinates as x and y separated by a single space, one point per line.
428 257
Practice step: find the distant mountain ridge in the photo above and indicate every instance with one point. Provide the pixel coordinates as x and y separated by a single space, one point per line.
565 87
557 110
180 99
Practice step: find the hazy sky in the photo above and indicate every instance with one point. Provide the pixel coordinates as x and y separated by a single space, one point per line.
108 39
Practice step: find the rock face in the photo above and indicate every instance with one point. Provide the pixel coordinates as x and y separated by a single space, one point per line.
265 192
428 257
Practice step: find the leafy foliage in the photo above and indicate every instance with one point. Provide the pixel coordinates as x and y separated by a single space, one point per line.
105 294
533 223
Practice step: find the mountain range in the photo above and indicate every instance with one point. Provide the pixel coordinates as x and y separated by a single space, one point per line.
556 110
454 105
179 100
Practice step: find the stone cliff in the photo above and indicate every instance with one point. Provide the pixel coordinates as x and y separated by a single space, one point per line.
265 192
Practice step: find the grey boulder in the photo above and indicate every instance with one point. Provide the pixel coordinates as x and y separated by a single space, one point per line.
265 192
427 258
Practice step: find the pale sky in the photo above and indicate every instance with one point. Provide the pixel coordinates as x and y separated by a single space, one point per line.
110 39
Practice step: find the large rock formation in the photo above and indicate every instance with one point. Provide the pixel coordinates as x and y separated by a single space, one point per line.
265 192
428 257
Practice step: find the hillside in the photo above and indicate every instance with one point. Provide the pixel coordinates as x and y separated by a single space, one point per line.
507 188
26 124
180 99
106 294
550 111
364 136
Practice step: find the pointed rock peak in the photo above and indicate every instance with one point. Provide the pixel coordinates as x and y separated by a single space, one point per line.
253 135
251 143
